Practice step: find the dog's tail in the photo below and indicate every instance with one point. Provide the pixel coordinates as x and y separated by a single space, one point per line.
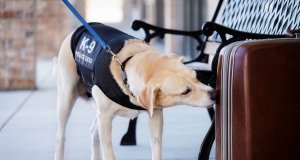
54 68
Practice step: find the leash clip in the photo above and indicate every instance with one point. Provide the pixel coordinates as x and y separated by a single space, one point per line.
108 50
116 59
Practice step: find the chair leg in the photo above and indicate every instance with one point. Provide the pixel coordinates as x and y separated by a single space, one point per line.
207 143
211 112
129 137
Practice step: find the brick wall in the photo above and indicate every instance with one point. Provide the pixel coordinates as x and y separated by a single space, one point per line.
31 29
50 16
17 44
54 23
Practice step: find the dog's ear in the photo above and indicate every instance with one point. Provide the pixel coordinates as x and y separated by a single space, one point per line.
176 57
147 98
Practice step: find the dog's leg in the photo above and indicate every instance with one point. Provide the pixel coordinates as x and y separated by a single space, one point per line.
65 101
156 129
95 141
67 78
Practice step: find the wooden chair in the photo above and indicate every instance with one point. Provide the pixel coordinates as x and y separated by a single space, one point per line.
233 20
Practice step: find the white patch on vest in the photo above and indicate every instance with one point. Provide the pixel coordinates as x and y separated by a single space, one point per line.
83 57
86 51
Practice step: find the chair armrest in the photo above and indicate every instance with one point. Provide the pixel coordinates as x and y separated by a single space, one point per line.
160 32
210 27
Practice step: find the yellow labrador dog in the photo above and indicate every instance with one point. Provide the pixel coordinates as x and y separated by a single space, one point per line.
155 81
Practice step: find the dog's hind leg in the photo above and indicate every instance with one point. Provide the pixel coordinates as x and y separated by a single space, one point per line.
95 141
67 92
156 129
65 101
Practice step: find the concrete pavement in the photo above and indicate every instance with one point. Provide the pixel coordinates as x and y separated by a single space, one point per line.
28 126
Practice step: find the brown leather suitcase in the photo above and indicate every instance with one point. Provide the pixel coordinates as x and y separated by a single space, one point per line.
258 113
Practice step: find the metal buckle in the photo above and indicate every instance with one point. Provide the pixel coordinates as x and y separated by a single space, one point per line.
108 50
116 59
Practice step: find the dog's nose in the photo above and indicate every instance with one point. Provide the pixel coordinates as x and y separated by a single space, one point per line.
213 94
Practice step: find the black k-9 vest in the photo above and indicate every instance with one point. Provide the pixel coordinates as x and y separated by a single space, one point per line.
93 61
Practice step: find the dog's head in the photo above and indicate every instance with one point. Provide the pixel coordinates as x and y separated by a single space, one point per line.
172 83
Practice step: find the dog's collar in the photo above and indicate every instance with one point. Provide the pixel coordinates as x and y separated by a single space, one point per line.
124 75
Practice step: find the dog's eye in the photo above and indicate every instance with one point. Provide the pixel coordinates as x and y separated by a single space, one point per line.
188 90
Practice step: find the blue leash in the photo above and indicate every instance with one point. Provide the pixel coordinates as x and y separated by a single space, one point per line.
90 29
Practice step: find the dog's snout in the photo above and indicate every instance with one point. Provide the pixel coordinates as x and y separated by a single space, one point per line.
213 94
